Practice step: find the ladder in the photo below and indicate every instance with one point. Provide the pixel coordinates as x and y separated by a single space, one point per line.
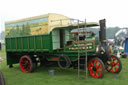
81 59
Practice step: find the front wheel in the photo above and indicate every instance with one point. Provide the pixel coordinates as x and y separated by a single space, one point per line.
114 64
96 68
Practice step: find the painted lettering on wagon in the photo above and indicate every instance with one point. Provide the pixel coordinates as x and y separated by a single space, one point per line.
81 46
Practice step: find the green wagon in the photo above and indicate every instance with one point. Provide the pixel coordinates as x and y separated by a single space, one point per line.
49 40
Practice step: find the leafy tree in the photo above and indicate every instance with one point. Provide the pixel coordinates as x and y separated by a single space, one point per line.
27 29
22 30
17 31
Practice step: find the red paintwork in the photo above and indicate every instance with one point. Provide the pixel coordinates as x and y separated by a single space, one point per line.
55 58
114 65
25 68
95 63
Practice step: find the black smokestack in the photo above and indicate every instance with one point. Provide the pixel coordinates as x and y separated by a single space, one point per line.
102 31
103 48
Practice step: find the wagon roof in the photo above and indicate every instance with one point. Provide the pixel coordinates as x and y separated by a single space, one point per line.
81 25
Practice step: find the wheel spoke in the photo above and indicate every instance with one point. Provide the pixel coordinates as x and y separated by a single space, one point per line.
96 74
92 64
113 59
116 68
117 63
99 71
98 66
110 70
95 63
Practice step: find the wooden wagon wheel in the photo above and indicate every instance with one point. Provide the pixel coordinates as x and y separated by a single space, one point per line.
114 64
26 64
96 68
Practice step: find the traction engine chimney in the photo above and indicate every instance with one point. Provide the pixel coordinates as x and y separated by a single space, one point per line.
102 32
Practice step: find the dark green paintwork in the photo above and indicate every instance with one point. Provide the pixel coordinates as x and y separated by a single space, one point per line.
42 44
29 43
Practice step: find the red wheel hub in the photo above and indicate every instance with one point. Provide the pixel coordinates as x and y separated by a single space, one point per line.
95 68
113 65
25 64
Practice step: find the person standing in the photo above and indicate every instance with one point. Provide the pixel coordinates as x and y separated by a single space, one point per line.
2 81
0 46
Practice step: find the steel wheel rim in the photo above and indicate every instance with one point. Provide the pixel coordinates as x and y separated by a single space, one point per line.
95 68
25 64
113 65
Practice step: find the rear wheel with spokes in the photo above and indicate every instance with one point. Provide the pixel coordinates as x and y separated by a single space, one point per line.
114 64
27 64
96 68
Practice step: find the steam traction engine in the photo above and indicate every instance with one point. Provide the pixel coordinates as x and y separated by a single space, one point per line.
58 46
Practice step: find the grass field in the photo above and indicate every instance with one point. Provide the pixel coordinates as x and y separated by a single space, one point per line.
14 76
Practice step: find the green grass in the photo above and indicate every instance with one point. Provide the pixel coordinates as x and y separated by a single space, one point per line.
2 52
14 76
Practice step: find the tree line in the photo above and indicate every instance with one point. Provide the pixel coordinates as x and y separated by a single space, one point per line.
110 31
19 31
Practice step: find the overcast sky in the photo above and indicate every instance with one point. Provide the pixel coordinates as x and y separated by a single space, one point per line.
115 11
